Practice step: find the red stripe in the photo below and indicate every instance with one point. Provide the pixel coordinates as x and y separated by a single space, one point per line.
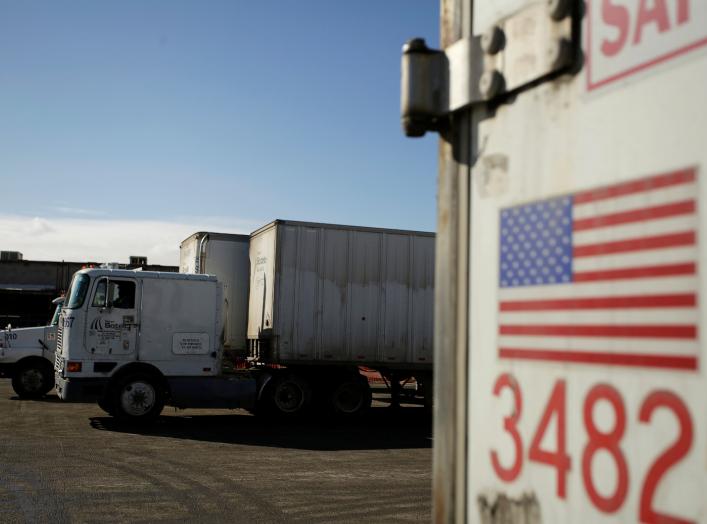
579 330
635 301
635 215
686 238
611 359
667 270
636 186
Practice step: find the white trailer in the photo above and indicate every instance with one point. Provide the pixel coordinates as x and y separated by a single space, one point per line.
570 359
325 299
27 356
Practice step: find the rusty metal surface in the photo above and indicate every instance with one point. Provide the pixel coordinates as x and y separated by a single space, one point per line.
449 470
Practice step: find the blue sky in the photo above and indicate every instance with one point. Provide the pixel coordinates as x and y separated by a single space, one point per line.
138 122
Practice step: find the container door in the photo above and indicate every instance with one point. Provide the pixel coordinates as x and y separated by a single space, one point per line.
112 321
587 364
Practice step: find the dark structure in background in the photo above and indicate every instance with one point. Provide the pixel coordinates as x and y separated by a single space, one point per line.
27 287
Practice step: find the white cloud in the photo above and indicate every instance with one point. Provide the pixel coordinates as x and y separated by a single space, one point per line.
38 227
74 239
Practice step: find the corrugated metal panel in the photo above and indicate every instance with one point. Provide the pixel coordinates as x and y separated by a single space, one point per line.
397 299
422 318
365 292
344 294
334 292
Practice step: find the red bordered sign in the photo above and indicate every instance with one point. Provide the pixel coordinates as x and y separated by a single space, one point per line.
625 37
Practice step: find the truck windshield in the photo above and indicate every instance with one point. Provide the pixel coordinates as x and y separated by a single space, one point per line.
77 291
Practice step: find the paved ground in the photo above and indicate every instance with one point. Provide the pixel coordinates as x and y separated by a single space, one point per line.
71 463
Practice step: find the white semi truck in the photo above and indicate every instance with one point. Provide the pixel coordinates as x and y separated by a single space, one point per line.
323 300
27 356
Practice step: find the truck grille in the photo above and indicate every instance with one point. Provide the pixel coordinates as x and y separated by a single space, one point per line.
59 337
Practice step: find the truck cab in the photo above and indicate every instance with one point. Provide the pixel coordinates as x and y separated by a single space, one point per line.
136 340
27 356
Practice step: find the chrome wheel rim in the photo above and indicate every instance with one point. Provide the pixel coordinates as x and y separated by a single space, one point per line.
138 398
32 380
289 397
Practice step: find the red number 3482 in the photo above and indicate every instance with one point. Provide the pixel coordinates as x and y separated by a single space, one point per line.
608 441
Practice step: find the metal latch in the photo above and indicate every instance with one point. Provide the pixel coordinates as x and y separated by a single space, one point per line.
519 52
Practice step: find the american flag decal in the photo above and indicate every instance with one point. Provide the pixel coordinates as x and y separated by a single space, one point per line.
606 276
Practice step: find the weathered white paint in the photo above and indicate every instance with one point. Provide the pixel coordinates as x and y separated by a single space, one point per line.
559 138
340 293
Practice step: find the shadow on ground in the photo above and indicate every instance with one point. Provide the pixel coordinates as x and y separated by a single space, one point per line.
380 428
46 398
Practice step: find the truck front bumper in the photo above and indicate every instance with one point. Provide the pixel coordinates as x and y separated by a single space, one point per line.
76 389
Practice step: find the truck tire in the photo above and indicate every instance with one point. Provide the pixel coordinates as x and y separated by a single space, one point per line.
351 397
290 396
137 398
33 379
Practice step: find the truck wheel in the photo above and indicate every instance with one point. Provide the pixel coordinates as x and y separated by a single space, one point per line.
291 396
33 380
351 397
136 398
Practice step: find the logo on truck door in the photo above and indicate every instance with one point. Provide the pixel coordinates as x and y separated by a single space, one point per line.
605 276
100 324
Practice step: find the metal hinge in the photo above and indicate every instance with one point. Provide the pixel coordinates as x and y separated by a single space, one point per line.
520 51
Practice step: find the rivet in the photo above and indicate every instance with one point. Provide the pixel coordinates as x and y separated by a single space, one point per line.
493 40
491 84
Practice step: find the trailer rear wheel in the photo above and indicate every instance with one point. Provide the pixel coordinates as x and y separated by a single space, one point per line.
137 398
291 396
33 379
351 397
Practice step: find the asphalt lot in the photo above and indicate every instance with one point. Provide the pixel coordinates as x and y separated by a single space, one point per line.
64 462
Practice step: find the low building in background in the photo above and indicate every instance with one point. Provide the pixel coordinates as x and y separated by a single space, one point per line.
27 287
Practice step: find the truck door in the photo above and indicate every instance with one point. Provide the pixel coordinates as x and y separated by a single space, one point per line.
112 322
572 174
